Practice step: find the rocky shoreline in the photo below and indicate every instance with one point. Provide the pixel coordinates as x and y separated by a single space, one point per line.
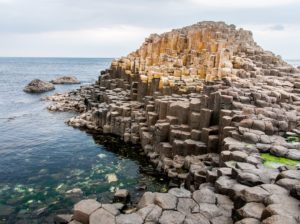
204 102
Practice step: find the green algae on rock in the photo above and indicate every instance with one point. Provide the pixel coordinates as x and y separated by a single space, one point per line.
275 161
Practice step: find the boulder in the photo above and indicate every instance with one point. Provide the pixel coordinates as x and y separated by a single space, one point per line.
38 86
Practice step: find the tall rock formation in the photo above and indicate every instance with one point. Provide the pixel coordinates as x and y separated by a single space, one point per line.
204 101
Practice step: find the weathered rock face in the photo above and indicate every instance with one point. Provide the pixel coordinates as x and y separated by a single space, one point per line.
65 80
204 101
38 86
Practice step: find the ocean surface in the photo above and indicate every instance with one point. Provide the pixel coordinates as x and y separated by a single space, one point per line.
294 62
41 158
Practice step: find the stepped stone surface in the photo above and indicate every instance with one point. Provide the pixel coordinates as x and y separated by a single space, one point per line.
203 102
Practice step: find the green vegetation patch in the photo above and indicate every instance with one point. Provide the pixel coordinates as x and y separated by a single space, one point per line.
275 162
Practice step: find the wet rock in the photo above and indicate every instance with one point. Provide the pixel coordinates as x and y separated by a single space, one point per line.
63 218
65 80
38 86
40 212
74 193
5 210
121 195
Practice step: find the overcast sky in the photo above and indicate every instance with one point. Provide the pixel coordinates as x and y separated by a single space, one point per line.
112 28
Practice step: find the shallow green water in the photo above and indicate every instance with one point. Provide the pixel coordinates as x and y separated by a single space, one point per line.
41 158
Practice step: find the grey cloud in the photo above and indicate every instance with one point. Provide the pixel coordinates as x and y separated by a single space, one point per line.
277 27
28 16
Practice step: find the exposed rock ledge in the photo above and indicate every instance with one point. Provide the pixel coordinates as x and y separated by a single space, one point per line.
203 101
65 80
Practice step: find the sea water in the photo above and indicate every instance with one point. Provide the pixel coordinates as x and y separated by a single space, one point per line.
42 159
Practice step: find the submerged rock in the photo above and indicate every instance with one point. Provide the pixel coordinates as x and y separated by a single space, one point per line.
5 210
65 80
121 195
38 86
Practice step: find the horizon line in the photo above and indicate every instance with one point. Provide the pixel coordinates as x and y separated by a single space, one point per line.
57 57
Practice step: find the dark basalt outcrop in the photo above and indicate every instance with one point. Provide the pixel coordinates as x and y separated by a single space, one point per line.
203 101
38 86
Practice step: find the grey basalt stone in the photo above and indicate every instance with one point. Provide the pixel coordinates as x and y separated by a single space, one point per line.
83 210
204 195
251 210
165 200
171 217
129 219
102 216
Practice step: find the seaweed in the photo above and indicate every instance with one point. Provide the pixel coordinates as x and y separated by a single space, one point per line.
275 161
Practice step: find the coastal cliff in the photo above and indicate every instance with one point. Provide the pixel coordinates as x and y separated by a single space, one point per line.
208 106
